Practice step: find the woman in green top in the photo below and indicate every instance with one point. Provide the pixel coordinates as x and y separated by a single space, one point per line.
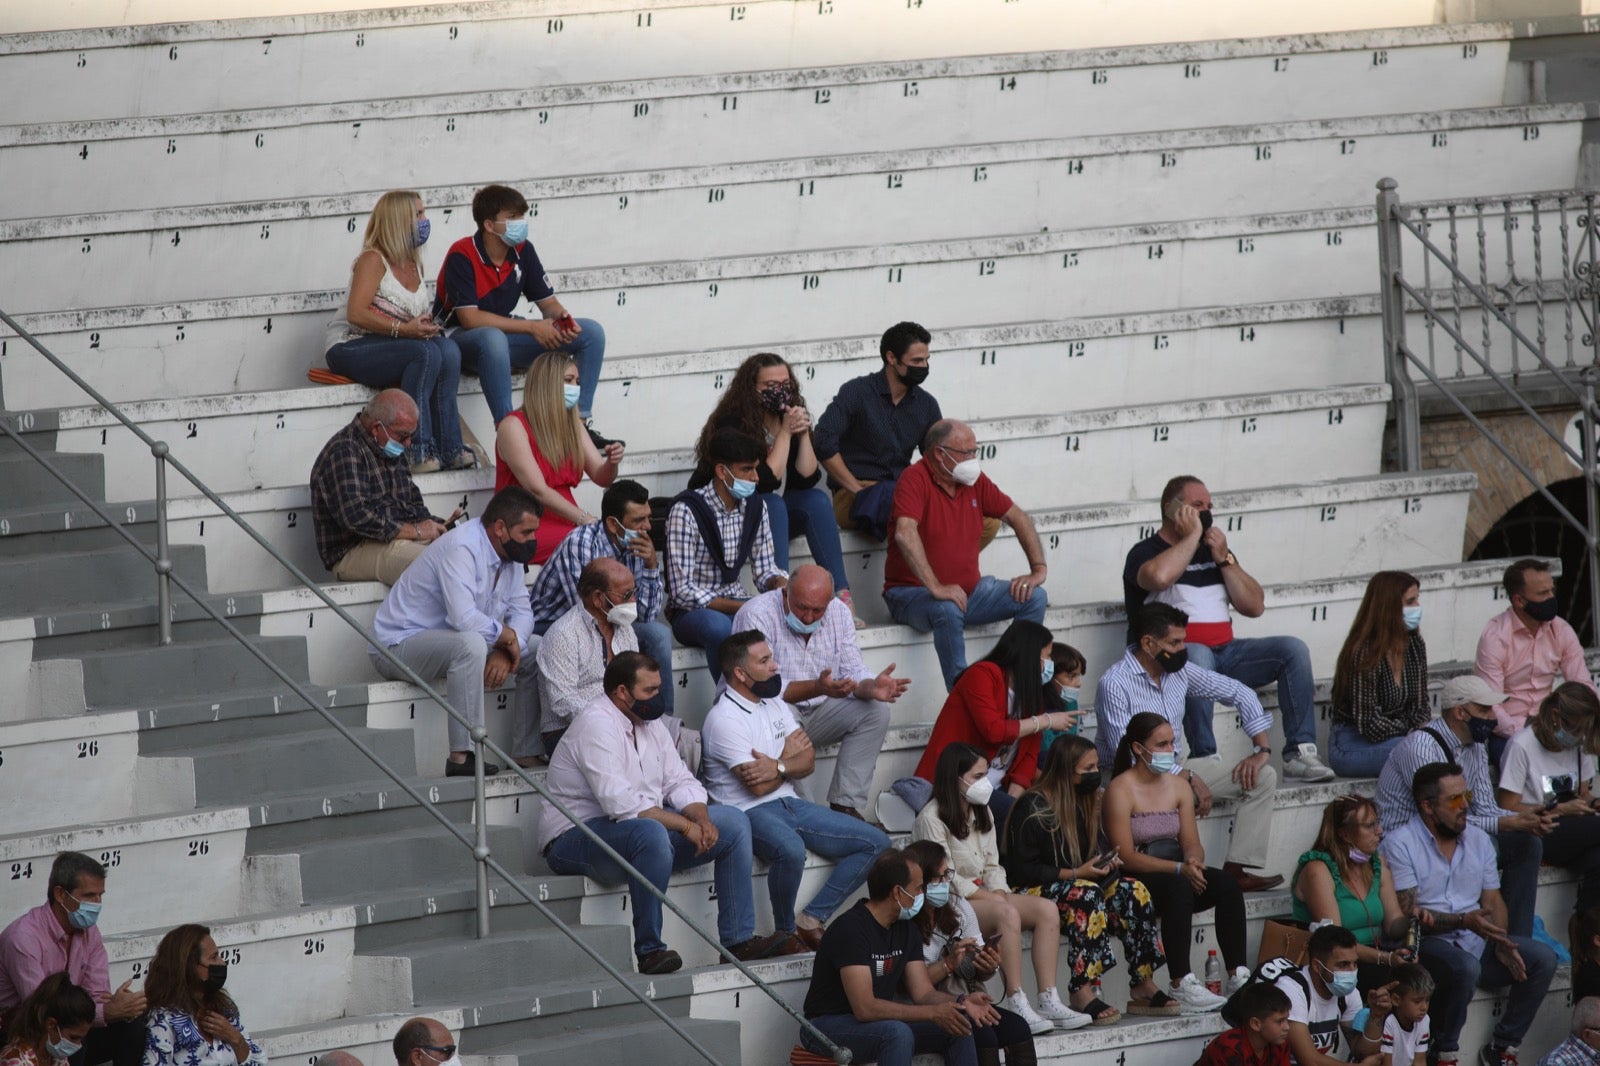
1342 880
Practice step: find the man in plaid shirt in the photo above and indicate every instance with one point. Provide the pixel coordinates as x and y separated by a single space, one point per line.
704 587
369 518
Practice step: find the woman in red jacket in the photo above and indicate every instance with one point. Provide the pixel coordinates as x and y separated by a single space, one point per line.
997 706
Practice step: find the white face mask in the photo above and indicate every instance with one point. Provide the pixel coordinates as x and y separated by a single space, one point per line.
979 791
623 614
966 472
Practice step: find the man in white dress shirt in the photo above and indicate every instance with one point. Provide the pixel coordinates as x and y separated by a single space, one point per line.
618 771
461 610
575 651
754 750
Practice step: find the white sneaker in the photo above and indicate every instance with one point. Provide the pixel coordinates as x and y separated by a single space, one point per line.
1237 980
1063 1016
1193 997
1308 766
1017 1003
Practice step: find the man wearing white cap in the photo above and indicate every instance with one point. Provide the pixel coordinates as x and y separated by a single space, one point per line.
1459 735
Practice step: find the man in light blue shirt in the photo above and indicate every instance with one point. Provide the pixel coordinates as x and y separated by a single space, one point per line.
461 610
1446 877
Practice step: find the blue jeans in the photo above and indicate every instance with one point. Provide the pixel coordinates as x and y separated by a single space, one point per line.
808 512
656 852
890 1043
782 830
1257 662
655 640
491 353
1352 755
989 601
430 373
1520 856
1457 973
705 629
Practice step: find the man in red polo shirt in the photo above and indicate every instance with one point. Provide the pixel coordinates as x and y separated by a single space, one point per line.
931 580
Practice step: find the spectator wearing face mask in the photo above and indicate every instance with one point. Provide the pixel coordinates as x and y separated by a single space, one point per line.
1380 683
763 401
50 1026
1466 722
574 653
424 1042
461 610
61 935
192 1021
1525 648
930 579
1188 564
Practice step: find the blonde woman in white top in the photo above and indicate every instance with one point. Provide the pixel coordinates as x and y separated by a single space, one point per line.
958 820
385 335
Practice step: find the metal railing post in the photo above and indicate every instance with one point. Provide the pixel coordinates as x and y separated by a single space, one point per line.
163 560
1402 390
480 814
1591 494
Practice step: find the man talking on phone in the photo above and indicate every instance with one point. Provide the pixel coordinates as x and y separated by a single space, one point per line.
623 533
1189 564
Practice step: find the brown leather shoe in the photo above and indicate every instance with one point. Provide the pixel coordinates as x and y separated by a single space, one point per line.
851 811
811 938
785 944
1249 882
758 947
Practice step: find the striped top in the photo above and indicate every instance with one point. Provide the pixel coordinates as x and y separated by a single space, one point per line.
1125 690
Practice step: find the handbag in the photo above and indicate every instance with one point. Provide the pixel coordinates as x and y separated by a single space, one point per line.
1285 938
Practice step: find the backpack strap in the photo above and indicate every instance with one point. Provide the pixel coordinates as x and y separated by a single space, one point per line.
1444 749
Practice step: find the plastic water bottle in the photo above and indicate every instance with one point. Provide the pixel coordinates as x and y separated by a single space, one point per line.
1213 973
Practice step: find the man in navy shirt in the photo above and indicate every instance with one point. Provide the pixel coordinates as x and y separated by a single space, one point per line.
482 279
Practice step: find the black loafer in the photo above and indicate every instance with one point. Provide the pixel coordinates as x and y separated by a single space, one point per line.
464 769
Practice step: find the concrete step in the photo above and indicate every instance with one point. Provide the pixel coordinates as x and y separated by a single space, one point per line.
120 677
88 579
30 485
242 771
281 62
749 208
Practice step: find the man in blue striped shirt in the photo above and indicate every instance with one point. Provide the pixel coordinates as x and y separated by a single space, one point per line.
1155 675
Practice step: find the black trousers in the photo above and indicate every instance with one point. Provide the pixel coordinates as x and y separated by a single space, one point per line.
119 1043
1176 903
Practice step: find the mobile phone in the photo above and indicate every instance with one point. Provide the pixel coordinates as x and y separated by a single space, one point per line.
567 323
994 940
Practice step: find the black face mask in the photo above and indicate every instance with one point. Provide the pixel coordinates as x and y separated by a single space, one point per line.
1543 611
1205 521
649 710
216 977
522 551
766 690
1089 785
912 376
1172 661
1481 729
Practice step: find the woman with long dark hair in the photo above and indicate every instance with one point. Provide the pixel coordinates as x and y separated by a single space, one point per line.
764 401
1151 822
958 820
50 1026
998 707
1380 682
192 1021
1053 846
959 961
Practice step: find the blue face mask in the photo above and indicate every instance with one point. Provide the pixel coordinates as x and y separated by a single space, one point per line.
1340 982
1047 670
516 231
1413 616
1163 762
62 1049
391 447
908 913
938 895
741 490
1069 697
805 629
424 227
569 395
1567 740
84 917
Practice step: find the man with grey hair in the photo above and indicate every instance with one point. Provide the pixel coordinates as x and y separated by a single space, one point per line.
423 1042
60 935
575 650
369 518
930 579
1582 1048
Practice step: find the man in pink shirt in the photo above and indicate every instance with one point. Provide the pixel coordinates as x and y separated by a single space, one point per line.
59 935
1525 648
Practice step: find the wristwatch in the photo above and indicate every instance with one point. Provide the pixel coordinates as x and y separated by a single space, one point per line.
783 771
1226 560
1255 749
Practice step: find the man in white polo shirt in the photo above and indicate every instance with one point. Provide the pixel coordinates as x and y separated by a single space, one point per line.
753 749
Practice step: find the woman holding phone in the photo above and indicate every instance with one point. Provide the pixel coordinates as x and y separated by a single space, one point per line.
1054 847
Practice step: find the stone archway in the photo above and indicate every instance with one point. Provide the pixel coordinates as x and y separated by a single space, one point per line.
1533 527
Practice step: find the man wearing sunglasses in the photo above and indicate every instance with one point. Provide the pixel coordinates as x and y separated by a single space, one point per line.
930 579
424 1042
1445 877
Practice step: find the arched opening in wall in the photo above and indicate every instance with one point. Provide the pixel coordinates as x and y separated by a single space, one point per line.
1533 527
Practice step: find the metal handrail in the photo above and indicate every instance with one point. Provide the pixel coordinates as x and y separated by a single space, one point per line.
1393 294
482 855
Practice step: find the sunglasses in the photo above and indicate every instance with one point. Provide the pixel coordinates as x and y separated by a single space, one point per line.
447 1050
1459 802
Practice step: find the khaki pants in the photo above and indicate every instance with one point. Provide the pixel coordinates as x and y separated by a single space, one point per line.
372 561
1252 820
844 499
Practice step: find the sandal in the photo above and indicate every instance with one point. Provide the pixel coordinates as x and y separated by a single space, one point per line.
1096 1008
848 602
1158 1005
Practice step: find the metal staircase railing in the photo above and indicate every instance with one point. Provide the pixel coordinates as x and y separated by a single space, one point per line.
478 842
1553 279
